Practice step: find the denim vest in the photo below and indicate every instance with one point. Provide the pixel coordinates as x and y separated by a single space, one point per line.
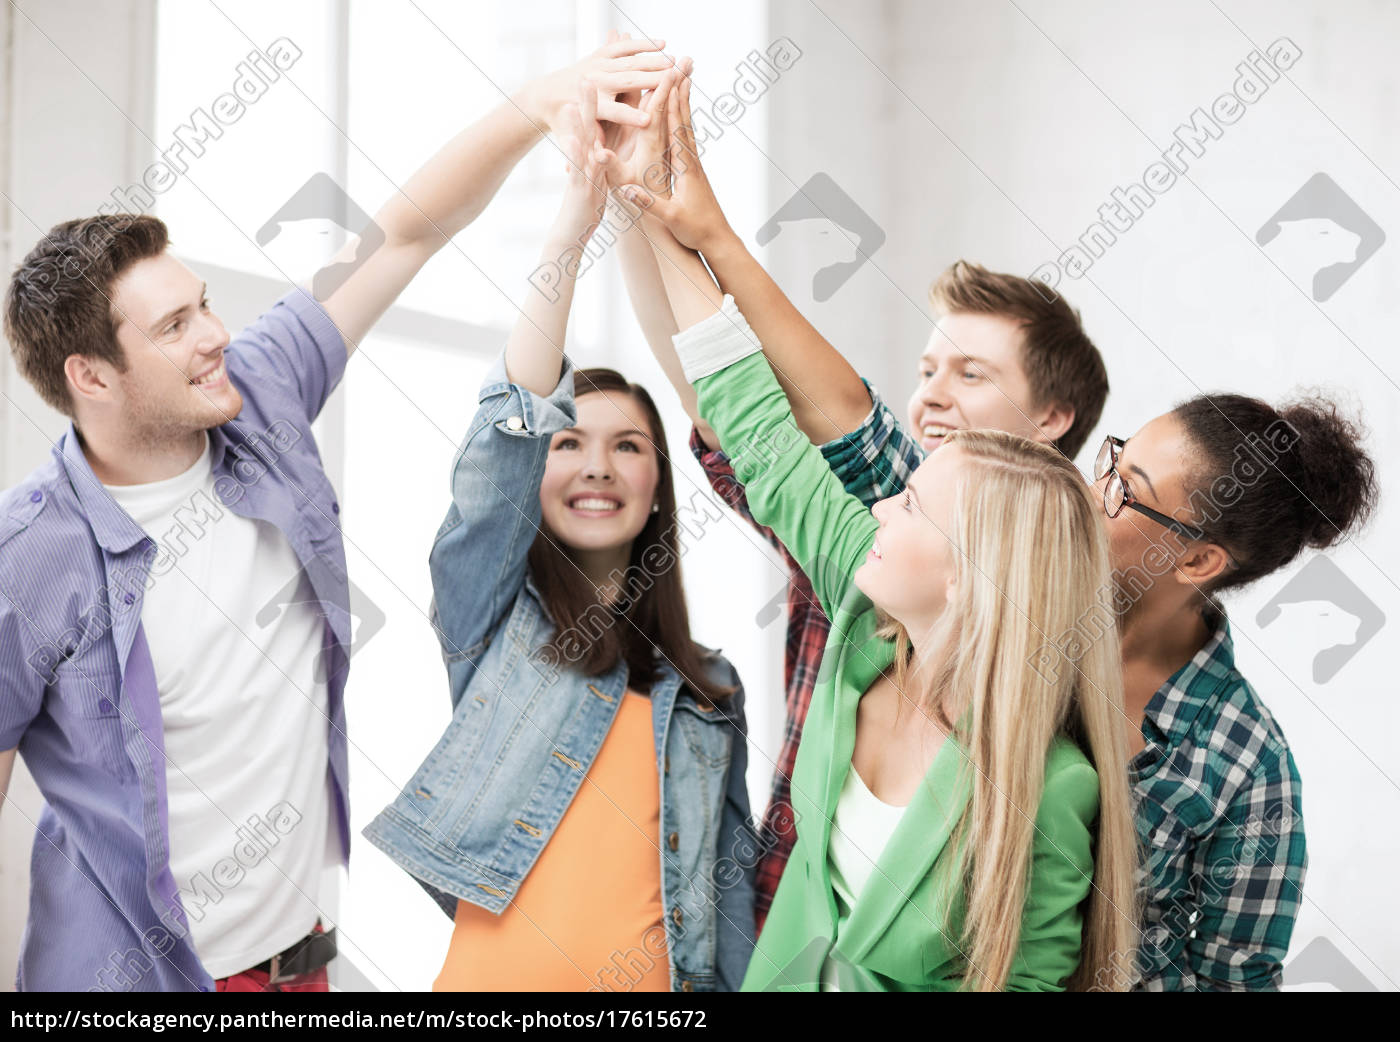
525 728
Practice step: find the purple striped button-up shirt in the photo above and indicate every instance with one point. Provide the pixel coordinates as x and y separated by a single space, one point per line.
77 687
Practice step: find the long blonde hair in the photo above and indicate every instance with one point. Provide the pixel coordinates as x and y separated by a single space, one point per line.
1032 573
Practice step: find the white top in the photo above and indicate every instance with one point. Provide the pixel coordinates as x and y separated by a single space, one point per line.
236 641
860 830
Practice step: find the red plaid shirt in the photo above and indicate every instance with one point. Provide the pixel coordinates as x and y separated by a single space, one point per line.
872 461
806 640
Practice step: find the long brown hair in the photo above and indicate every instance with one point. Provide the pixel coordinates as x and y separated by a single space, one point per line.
650 612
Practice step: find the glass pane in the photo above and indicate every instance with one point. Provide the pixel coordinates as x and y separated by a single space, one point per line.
407 408
244 99
421 73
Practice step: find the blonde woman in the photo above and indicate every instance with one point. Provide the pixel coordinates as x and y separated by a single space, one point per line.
954 828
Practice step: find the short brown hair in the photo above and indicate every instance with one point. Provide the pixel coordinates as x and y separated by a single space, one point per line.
1061 362
59 300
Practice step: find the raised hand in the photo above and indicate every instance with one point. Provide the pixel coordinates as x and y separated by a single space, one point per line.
586 194
612 135
619 68
689 208
639 156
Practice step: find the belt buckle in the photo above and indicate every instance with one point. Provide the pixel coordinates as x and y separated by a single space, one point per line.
274 968
294 954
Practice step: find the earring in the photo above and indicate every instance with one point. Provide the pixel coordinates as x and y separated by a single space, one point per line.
656 508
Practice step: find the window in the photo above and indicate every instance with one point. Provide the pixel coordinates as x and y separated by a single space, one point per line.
370 91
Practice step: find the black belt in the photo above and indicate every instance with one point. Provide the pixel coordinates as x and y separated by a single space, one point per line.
307 955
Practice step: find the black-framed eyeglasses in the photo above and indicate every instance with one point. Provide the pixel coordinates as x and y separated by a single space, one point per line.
1117 495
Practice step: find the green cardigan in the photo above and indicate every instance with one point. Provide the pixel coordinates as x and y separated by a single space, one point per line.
905 930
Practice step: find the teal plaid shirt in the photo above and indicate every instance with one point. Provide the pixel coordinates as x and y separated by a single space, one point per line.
1219 810
1218 801
877 458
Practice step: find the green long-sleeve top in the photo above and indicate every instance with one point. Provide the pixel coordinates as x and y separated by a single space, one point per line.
904 932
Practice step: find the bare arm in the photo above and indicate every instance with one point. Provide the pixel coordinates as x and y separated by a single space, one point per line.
535 351
690 288
652 305
456 184
827 395
637 156
689 285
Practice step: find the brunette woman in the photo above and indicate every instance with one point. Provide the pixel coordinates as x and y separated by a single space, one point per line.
584 819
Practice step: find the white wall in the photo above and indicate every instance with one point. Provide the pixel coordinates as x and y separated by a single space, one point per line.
966 131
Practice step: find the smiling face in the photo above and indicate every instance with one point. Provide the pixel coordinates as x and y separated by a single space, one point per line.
175 383
971 375
600 479
915 540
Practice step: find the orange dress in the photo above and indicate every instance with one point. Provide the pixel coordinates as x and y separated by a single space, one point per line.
589 914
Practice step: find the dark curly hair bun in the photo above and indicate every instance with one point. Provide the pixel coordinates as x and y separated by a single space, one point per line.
1297 476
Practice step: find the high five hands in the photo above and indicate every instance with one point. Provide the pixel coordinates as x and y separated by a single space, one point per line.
654 163
587 193
620 70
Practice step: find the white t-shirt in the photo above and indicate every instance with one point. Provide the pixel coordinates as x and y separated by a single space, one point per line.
861 827
244 706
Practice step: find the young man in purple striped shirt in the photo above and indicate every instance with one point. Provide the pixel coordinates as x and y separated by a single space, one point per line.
175 621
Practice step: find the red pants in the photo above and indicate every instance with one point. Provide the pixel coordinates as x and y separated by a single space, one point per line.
256 980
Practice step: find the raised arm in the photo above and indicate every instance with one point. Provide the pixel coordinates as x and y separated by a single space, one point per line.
827 395
690 288
652 306
535 350
789 485
479 558
636 155
455 185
